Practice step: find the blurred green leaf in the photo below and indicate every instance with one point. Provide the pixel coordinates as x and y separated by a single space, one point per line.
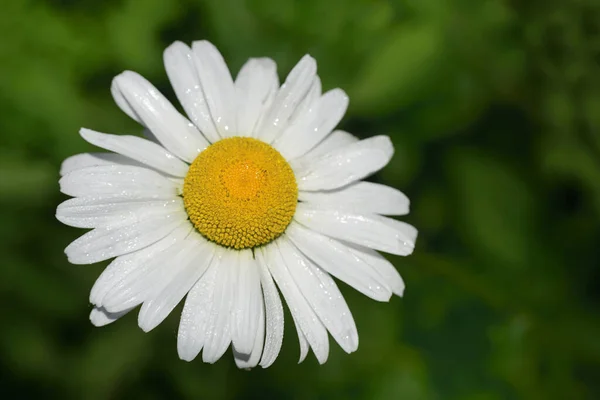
398 69
115 353
404 378
495 209
26 181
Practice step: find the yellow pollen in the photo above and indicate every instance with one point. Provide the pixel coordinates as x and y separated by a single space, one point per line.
240 193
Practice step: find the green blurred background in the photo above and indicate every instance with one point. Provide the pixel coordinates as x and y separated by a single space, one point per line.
494 110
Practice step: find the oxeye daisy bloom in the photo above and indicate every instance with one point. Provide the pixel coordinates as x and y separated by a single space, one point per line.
252 196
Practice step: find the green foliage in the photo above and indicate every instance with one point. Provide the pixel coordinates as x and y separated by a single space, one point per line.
494 110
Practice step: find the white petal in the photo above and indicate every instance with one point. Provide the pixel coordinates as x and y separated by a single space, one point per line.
302 340
323 295
336 140
101 317
218 324
324 114
289 96
179 63
251 360
198 304
136 286
127 181
274 313
405 233
176 281
383 267
373 231
345 165
337 259
135 263
156 113
361 197
136 148
85 160
305 108
146 133
103 243
256 85
95 212
123 103
217 86
303 314
248 302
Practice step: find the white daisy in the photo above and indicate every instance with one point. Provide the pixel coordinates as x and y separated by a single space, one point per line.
254 195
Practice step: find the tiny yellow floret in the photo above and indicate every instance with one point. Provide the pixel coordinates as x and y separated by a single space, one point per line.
240 193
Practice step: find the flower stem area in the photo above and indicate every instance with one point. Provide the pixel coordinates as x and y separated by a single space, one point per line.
493 108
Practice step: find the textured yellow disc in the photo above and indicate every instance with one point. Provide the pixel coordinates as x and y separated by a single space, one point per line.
240 193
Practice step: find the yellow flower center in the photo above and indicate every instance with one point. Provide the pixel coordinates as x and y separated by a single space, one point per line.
240 193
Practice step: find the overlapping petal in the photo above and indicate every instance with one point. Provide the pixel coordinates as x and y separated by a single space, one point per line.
144 103
131 198
138 149
345 165
288 98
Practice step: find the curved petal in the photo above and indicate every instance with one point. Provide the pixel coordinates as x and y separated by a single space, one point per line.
303 314
306 107
274 313
217 86
336 140
373 231
289 96
345 165
303 341
325 113
365 197
111 180
134 264
123 103
101 317
256 85
337 259
85 160
136 148
383 267
251 360
156 113
175 282
405 233
323 295
135 287
198 304
96 212
179 63
103 243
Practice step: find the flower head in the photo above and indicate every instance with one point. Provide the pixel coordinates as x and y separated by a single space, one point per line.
252 196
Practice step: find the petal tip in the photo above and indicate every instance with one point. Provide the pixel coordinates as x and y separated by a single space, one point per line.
185 354
176 46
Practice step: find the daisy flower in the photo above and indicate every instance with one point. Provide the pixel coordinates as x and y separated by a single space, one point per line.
252 196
